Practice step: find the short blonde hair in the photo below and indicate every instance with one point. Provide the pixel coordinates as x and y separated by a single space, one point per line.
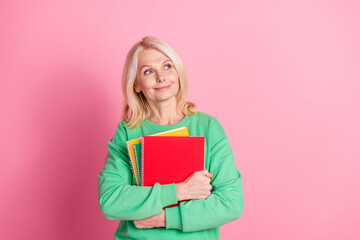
136 108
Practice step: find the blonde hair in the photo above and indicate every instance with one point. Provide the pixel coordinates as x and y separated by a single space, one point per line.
136 108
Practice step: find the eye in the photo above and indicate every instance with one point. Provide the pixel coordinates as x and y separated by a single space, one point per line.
168 65
146 71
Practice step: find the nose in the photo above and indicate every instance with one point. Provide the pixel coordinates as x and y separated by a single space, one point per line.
160 78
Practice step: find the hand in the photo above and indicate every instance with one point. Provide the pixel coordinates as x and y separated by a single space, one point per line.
154 221
197 186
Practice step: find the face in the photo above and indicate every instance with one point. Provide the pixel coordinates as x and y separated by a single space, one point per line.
157 77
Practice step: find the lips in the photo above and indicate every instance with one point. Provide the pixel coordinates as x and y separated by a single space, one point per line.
161 88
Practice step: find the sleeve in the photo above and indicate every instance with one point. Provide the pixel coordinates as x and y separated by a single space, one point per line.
224 204
117 198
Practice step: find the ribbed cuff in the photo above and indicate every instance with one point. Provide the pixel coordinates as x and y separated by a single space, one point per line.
168 194
173 218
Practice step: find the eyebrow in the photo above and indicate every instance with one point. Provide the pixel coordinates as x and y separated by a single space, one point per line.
150 66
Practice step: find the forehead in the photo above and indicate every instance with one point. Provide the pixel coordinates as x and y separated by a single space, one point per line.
151 56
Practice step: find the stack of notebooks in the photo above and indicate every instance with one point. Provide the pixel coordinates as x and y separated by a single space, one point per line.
166 157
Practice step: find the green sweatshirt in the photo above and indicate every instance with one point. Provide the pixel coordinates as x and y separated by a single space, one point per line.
121 199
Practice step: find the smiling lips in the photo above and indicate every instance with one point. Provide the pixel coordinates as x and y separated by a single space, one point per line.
162 88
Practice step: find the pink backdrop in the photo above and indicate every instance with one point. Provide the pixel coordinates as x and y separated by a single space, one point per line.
281 76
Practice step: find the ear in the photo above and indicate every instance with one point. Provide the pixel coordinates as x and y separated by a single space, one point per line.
136 88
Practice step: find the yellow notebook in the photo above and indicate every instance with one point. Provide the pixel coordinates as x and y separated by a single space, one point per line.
182 131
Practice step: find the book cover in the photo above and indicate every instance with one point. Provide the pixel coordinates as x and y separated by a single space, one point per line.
171 159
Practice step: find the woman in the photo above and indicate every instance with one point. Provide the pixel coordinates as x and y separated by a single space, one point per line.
155 91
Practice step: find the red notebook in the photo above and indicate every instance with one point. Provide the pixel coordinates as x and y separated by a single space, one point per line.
171 159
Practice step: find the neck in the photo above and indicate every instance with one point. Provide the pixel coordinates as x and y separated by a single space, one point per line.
164 113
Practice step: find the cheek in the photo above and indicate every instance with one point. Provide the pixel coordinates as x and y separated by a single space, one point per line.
173 77
146 83
176 85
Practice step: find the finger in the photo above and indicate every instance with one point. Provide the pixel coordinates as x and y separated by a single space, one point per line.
208 174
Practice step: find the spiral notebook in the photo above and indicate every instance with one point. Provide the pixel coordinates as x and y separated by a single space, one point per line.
170 159
182 131
137 153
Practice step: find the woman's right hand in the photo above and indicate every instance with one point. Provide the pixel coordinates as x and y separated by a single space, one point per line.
197 186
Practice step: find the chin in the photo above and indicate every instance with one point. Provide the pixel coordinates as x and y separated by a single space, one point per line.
165 98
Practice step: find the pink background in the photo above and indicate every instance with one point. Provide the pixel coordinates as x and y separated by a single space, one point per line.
282 77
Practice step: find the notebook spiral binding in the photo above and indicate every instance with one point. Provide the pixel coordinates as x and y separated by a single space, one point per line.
132 164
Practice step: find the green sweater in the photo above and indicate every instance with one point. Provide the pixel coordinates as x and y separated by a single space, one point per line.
120 199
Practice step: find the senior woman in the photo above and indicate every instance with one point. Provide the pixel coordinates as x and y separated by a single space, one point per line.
155 91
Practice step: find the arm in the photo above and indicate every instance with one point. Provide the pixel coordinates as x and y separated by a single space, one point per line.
117 199
224 204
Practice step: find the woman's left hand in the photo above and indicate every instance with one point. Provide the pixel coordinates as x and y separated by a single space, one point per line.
157 220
